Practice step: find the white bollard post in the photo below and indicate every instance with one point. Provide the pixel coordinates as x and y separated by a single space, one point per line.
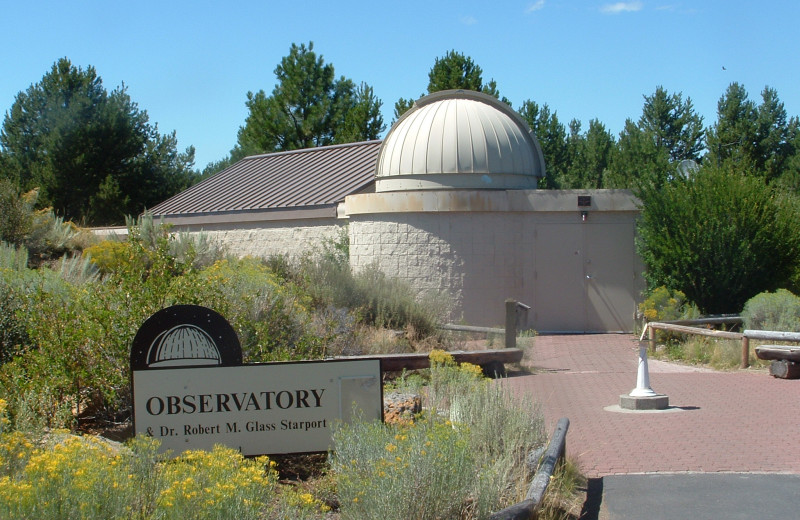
643 397
642 375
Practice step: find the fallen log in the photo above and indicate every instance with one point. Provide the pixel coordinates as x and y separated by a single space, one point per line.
783 369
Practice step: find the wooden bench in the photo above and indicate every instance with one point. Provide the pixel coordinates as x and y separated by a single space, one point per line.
785 360
491 361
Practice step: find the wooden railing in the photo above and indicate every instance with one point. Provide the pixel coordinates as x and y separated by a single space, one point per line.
526 510
516 318
685 327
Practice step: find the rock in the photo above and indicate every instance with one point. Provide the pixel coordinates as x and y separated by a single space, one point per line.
400 408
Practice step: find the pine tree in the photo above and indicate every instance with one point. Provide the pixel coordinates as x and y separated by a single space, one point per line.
453 71
92 153
308 107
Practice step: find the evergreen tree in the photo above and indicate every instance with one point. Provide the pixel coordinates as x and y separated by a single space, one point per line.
453 71
775 136
673 125
92 153
575 164
759 137
598 152
733 136
649 151
637 160
308 107
552 137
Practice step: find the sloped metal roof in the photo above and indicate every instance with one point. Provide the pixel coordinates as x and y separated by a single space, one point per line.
307 178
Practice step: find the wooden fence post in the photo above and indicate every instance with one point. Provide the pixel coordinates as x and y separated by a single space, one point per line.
745 351
511 323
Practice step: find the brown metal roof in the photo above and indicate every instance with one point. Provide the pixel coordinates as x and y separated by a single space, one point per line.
296 179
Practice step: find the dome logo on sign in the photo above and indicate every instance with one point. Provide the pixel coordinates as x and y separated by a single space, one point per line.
185 336
182 344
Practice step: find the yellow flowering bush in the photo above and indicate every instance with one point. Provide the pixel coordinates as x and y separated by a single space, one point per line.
72 478
68 477
441 358
219 484
663 304
298 504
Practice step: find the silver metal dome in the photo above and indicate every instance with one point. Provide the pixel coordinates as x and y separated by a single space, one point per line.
459 139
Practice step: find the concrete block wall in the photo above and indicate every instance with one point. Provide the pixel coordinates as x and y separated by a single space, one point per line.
471 257
283 237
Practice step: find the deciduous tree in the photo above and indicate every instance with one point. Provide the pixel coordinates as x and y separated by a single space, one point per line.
720 236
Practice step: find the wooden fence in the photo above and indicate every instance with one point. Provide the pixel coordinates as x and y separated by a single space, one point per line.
686 327
516 318
526 510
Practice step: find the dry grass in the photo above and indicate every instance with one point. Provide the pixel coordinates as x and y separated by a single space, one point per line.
565 495
719 354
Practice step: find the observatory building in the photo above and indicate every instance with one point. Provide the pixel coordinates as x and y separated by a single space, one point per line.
448 202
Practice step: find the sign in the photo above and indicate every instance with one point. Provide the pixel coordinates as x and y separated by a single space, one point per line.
190 392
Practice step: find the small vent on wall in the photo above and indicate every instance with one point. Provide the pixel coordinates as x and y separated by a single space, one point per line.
584 201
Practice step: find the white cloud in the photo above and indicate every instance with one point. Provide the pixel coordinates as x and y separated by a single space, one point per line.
539 4
469 20
621 7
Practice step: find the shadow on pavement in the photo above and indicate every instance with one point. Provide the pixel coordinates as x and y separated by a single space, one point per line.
594 499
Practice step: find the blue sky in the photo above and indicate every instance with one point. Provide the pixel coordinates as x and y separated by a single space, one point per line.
191 64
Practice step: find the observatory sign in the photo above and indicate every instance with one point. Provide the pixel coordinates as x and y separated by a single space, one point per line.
191 390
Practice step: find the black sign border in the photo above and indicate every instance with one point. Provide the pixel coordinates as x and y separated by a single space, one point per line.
210 321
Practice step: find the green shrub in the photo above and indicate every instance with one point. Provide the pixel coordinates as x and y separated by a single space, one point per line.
13 258
272 322
377 299
462 459
13 335
15 212
720 237
49 236
195 249
778 311
663 304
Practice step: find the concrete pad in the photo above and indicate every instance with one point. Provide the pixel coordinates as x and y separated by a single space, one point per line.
618 409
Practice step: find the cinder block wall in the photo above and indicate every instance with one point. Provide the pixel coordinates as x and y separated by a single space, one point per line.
473 258
281 237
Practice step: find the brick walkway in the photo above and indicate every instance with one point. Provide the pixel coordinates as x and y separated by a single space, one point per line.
742 421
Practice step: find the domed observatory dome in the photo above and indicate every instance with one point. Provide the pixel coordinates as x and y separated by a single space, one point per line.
458 139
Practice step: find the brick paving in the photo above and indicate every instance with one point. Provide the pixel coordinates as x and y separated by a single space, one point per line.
740 421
